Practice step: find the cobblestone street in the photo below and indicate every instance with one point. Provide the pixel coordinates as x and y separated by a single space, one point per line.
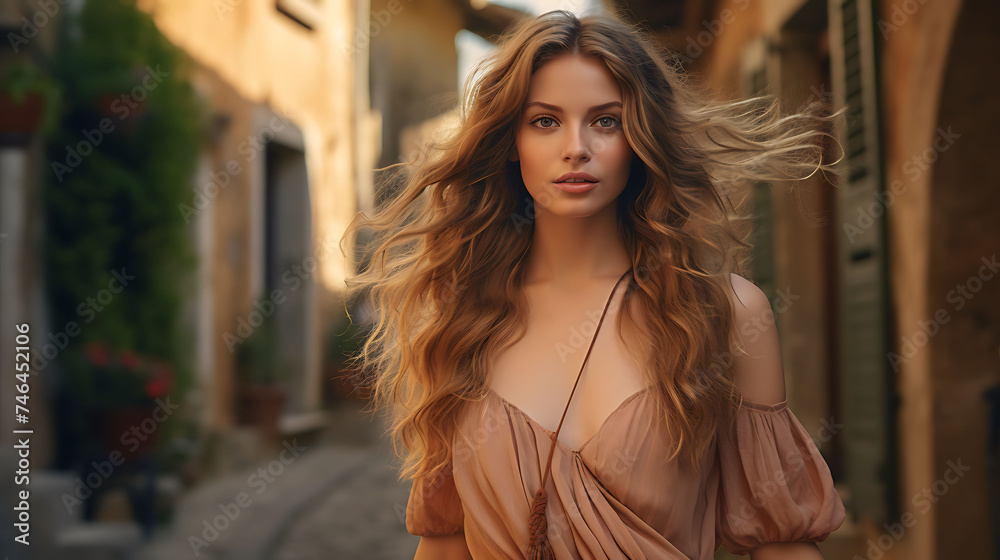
362 518
363 515
339 499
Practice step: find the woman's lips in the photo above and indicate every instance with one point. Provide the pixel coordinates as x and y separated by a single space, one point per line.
576 187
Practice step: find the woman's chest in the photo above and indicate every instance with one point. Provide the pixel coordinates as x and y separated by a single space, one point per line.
500 451
536 374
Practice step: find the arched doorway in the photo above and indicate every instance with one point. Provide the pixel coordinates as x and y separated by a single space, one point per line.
964 283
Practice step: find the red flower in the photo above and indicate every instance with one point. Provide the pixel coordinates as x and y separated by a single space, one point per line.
130 360
97 353
157 387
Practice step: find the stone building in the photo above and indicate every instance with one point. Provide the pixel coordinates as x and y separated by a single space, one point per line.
883 286
890 346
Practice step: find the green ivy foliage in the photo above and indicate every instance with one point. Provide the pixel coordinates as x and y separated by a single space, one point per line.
121 161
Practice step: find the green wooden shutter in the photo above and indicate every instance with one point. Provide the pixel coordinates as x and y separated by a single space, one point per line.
762 222
762 237
868 384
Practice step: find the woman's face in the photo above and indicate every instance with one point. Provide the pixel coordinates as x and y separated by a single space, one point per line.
572 123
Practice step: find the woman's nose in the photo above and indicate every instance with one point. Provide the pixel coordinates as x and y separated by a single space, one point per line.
577 145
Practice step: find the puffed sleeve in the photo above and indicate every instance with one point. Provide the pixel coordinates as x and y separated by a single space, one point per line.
434 507
775 486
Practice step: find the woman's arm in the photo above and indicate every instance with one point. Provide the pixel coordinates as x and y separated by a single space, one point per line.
787 551
452 547
761 378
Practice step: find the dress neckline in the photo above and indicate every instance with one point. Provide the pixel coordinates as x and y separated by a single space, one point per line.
607 420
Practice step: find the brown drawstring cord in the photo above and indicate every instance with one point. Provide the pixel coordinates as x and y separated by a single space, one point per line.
539 547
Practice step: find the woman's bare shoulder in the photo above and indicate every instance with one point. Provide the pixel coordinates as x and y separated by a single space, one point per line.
758 371
746 296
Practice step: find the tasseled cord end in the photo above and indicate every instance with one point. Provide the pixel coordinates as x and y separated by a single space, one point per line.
538 543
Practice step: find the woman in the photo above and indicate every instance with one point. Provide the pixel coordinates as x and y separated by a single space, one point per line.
585 185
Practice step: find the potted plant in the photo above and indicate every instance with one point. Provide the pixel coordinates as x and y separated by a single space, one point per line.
120 388
344 340
117 99
116 208
29 100
260 372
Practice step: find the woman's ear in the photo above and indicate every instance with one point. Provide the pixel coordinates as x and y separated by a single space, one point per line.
512 156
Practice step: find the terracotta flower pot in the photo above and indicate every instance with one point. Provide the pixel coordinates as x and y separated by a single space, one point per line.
261 406
125 117
132 430
20 119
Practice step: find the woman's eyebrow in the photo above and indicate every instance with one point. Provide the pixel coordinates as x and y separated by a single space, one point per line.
556 108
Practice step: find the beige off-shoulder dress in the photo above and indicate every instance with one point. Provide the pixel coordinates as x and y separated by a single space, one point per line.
614 497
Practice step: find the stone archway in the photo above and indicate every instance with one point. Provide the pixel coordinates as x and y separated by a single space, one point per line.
963 284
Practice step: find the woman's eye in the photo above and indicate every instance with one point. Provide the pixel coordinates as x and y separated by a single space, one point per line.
608 122
549 122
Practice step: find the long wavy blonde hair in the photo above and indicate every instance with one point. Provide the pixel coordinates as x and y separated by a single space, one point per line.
460 214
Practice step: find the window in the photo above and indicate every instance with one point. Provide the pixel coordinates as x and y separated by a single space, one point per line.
307 13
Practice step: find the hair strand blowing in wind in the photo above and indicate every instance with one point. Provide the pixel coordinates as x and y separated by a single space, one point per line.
447 250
